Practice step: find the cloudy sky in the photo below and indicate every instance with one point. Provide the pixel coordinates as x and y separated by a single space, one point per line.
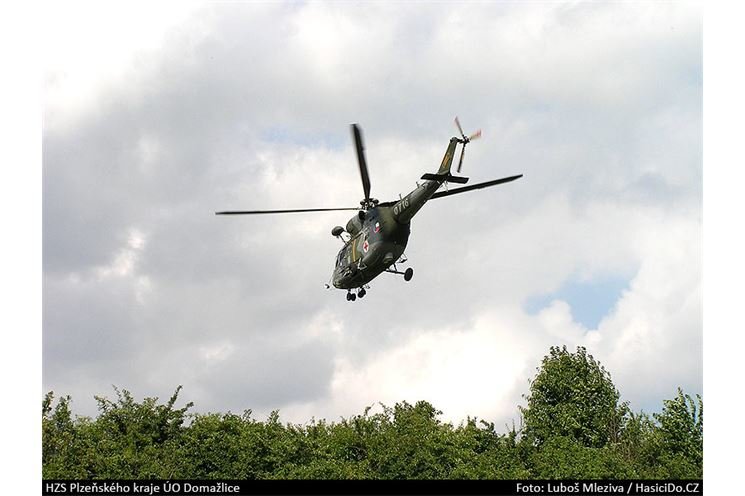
154 119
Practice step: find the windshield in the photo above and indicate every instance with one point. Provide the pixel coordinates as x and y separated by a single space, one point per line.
342 253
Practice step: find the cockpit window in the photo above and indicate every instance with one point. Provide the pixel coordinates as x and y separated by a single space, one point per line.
342 255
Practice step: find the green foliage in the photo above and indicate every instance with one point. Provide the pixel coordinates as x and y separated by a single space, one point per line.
681 436
563 457
128 440
60 452
574 427
573 396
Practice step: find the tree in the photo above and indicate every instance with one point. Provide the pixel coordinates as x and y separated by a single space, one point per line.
409 442
60 453
681 435
573 396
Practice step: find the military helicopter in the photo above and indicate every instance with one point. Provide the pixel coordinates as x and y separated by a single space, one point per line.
377 235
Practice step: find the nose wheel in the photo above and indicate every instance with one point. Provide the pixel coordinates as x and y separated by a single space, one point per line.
361 292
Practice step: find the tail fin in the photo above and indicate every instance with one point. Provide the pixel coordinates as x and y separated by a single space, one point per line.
447 160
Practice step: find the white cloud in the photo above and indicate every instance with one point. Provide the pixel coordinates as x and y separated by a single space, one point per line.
89 46
217 352
125 260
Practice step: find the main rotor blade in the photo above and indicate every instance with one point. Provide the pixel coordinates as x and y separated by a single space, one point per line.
476 186
256 212
361 160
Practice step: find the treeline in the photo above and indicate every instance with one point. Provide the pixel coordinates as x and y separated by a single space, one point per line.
573 426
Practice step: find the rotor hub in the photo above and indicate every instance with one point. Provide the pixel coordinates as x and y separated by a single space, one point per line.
368 203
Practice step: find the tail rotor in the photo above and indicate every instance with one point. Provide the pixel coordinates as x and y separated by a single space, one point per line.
464 141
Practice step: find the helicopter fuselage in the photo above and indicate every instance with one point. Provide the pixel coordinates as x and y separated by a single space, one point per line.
378 238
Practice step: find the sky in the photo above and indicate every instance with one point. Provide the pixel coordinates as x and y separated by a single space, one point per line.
183 110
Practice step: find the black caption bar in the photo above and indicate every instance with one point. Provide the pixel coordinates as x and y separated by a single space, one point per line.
373 487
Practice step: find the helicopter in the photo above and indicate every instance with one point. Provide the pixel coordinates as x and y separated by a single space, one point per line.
377 235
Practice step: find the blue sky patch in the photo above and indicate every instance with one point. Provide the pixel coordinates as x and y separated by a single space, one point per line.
590 301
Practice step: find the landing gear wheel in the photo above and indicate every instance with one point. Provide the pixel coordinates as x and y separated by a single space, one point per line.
352 296
408 274
349 296
361 293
